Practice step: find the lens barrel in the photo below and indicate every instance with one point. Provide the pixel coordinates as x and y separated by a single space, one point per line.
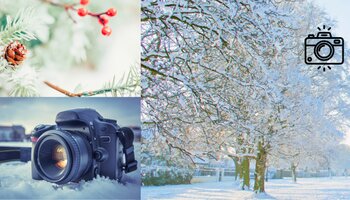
61 156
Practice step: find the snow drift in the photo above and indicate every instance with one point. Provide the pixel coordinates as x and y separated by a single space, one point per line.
16 182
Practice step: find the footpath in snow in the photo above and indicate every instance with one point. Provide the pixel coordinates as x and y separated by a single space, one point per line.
305 189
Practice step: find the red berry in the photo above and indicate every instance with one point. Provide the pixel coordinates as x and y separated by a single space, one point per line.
103 19
106 30
111 12
82 12
84 2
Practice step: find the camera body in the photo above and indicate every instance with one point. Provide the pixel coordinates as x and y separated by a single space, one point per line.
81 146
324 49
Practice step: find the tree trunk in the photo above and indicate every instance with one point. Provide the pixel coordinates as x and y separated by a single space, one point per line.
220 175
245 173
260 167
293 167
237 168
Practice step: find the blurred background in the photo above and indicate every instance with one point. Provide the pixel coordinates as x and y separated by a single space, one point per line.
74 56
20 115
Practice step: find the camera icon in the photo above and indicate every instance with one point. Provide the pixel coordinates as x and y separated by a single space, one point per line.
324 49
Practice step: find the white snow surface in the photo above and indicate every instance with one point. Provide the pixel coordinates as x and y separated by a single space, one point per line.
16 183
16 144
284 189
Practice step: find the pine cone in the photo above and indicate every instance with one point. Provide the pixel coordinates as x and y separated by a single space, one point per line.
15 53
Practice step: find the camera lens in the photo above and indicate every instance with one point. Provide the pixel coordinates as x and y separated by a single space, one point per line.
61 156
52 158
324 50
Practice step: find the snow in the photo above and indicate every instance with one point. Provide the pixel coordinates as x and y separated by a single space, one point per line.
16 182
15 144
281 189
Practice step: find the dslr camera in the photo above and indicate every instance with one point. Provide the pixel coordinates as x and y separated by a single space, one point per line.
324 49
81 146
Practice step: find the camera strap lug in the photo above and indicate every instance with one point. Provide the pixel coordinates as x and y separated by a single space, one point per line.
127 139
130 162
129 150
130 167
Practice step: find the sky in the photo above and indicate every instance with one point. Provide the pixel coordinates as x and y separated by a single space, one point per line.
339 10
31 112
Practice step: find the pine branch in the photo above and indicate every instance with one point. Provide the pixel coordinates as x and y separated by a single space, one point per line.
80 94
130 85
126 85
3 64
21 91
61 90
18 28
21 81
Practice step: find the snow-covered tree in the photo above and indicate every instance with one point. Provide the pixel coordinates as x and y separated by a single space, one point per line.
228 78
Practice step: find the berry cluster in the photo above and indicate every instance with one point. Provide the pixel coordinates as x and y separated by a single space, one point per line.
103 18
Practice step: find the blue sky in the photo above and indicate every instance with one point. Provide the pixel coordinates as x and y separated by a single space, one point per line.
338 10
30 112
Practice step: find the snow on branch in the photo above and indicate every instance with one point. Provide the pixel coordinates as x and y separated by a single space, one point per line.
18 27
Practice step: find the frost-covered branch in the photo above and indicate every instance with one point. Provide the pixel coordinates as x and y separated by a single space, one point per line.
21 80
128 85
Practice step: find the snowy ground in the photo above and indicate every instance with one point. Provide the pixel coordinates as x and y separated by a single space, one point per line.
16 182
307 188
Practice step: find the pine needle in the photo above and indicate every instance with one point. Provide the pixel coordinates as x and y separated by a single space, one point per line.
18 28
126 86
